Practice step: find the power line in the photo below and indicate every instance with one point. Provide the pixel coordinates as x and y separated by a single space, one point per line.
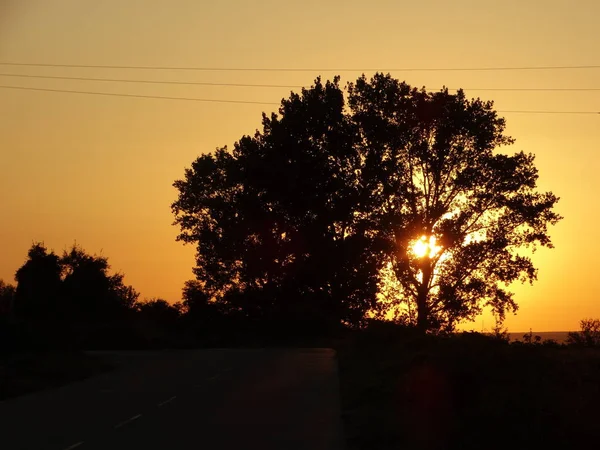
287 69
548 112
201 83
241 101
137 96
529 89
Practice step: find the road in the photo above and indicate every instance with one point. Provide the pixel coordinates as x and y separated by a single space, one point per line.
197 399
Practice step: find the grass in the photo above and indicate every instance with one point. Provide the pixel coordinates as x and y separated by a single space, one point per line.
401 390
34 371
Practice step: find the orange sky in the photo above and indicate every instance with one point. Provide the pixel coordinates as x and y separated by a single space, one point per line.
99 169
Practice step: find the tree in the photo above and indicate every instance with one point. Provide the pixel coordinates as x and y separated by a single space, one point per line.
302 219
159 318
159 310
89 293
272 219
38 285
74 287
9 338
196 302
7 298
588 336
458 212
204 318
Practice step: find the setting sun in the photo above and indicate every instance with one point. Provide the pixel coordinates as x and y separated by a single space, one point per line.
422 247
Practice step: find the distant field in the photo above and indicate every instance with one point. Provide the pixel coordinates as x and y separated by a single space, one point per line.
558 336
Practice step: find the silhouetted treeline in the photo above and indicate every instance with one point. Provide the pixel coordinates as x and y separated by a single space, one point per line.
66 301
72 301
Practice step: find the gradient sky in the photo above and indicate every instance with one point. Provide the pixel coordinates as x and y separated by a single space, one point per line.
99 170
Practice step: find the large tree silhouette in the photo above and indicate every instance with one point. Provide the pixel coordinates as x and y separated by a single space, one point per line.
300 219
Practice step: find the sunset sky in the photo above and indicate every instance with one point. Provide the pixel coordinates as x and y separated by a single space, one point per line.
99 169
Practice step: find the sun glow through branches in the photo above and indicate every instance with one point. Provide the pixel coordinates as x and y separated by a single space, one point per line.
426 248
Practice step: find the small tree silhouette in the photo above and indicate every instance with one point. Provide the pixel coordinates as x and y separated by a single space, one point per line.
37 295
589 335
7 298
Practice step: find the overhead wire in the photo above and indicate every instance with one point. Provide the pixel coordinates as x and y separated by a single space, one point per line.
290 69
119 80
292 86
199 83
114 94
546 112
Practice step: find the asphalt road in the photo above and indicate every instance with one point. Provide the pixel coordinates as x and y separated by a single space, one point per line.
204 399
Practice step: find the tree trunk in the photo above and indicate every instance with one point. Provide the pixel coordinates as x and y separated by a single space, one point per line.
422 293
422 313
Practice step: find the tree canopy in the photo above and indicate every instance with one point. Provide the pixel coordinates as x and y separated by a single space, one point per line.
7 296
73 287
302 220
38 284
89 292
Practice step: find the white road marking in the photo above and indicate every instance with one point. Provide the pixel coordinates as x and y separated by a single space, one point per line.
167 401
214 377
125 422
74 446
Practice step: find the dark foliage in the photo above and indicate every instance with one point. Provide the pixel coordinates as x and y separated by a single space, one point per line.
69 301
273 219
158 322
89 293
588 336
297 222
7 298
38 285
